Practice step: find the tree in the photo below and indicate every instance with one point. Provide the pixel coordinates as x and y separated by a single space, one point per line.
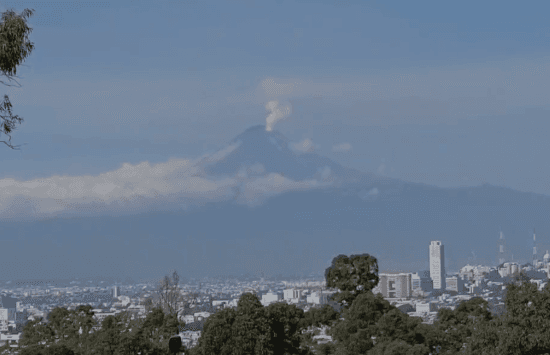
396 325
15 47
253 329
158 328
355 332
316 317
286 326
525 325
169 293
35 332
108 337
216 337
455 327
353 276
250 331
59 322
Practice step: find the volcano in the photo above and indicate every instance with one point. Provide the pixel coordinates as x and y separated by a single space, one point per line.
292 231
261 152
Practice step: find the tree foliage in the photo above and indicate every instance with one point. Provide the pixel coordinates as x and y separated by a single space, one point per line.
353 276
15 47
252 328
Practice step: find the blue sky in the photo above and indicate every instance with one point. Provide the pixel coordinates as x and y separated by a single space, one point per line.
440 93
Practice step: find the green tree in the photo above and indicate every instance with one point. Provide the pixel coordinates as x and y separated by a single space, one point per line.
353 276
15 47
216 337
396 325
36 332
60 323
286 326
455 327
55 349
253 329
157 329
250 331
83 321
108 338
525 325
355 332
317 317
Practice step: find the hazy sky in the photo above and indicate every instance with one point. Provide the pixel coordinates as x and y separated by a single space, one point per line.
443 93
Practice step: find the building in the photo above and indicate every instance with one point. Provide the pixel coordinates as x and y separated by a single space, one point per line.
394 285
4 318
421 281
508 269
116 291
318 297
188 318
271 297
426 307
501 249
293 295
455 283
437 265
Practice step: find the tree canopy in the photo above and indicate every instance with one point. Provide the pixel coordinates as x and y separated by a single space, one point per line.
15 47
353 276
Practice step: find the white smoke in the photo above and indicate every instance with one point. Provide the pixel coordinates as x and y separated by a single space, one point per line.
276 114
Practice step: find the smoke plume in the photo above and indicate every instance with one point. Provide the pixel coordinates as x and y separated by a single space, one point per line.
276 114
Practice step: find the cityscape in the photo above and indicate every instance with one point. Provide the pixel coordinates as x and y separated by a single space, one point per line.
419 294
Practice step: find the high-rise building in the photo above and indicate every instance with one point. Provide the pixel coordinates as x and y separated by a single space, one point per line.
437 265
534 248
501 249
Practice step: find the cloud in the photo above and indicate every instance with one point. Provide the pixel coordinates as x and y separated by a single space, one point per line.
343 147
305 146
177 184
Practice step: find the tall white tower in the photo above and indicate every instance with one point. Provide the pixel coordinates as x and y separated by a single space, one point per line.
437 265
501 247
534 247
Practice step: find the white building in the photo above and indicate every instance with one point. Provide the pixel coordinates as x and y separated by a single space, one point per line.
220 303
437 265
394 285
100 316
188 318
4 319
292 295
271 297
508 269
12 339
201 315
318 298
425 307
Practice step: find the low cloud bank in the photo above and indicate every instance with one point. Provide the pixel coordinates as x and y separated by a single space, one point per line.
177 184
